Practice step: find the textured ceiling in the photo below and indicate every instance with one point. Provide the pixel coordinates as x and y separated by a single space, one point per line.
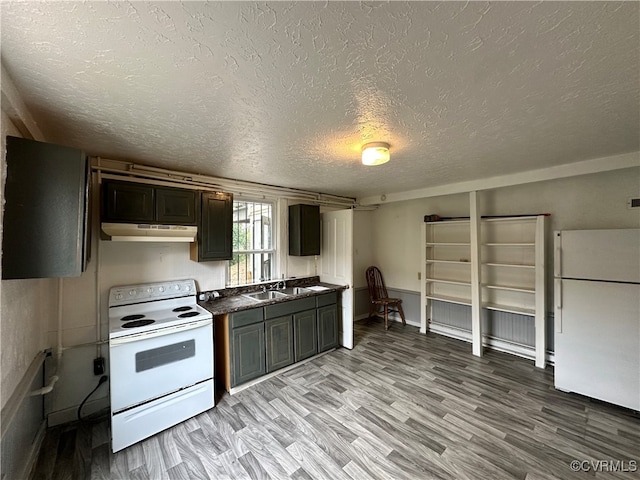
286 93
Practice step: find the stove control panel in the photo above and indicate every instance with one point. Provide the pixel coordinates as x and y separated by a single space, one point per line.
129 294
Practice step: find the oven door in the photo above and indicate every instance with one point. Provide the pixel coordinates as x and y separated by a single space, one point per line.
150 365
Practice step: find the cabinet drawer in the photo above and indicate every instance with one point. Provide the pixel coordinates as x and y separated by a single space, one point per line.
287 308
246 317
327 299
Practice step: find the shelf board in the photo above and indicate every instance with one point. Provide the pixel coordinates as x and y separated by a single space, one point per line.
450 282
449 261
511 219
449 222
448 244
511 244
510 265
510 309
444 298
510 288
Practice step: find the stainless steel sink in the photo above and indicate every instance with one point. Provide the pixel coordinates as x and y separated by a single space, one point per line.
268 295
294 290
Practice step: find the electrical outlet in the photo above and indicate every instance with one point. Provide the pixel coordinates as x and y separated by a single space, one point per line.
98 366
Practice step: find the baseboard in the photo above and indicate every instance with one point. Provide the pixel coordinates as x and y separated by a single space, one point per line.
71 414
394 317
519 350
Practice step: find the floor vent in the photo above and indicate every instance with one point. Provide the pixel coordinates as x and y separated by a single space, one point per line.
633 203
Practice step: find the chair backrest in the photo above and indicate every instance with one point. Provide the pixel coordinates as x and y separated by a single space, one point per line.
377 290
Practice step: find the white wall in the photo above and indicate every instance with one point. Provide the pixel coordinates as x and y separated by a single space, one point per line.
582 202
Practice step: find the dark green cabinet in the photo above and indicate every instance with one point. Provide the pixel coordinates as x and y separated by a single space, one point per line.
304 230
46 214
176 206
129 202
263 340
248 353
305 334
214 227
327 327
279 343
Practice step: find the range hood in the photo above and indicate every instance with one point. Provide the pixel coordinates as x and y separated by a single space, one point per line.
144 232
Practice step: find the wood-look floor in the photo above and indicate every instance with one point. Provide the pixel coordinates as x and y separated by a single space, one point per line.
400 405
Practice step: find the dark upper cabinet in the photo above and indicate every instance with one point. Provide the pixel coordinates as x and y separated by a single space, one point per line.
175 206
304 230
45 226
142 203
214 227
127 202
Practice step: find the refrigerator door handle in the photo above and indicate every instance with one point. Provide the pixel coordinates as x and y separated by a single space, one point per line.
557 295
557 258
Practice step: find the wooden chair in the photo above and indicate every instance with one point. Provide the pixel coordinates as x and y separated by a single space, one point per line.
379 298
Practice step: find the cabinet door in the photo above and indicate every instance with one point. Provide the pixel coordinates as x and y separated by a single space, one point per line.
304 230
214 230
46 211
279 333
175 206
306 339
128 202
327 327
248 353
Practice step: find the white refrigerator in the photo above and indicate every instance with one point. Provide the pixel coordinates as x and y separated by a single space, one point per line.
597 314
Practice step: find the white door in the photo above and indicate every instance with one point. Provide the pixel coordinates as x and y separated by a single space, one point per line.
336 264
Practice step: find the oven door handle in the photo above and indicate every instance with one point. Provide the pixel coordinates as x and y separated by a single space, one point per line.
114 342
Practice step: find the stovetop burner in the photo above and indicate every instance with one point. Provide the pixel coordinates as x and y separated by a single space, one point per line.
182 309
138 323
145 308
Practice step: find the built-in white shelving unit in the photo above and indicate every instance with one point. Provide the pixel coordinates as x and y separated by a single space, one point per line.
509 276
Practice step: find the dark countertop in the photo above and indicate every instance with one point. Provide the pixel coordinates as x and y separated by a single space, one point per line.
236 303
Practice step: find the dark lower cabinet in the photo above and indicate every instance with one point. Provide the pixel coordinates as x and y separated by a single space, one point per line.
327 327
214 227
306 340
279 343
251 343
248 348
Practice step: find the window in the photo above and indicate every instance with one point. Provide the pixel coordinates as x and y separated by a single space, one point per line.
253 246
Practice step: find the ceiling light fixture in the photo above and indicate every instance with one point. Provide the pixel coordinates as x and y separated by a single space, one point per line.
375 153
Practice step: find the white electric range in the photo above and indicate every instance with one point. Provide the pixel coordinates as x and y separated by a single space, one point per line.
160 358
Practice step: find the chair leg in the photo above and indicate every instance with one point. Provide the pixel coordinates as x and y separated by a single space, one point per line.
386 316
404 322
371 310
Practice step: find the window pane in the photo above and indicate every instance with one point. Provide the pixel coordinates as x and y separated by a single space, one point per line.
253 252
